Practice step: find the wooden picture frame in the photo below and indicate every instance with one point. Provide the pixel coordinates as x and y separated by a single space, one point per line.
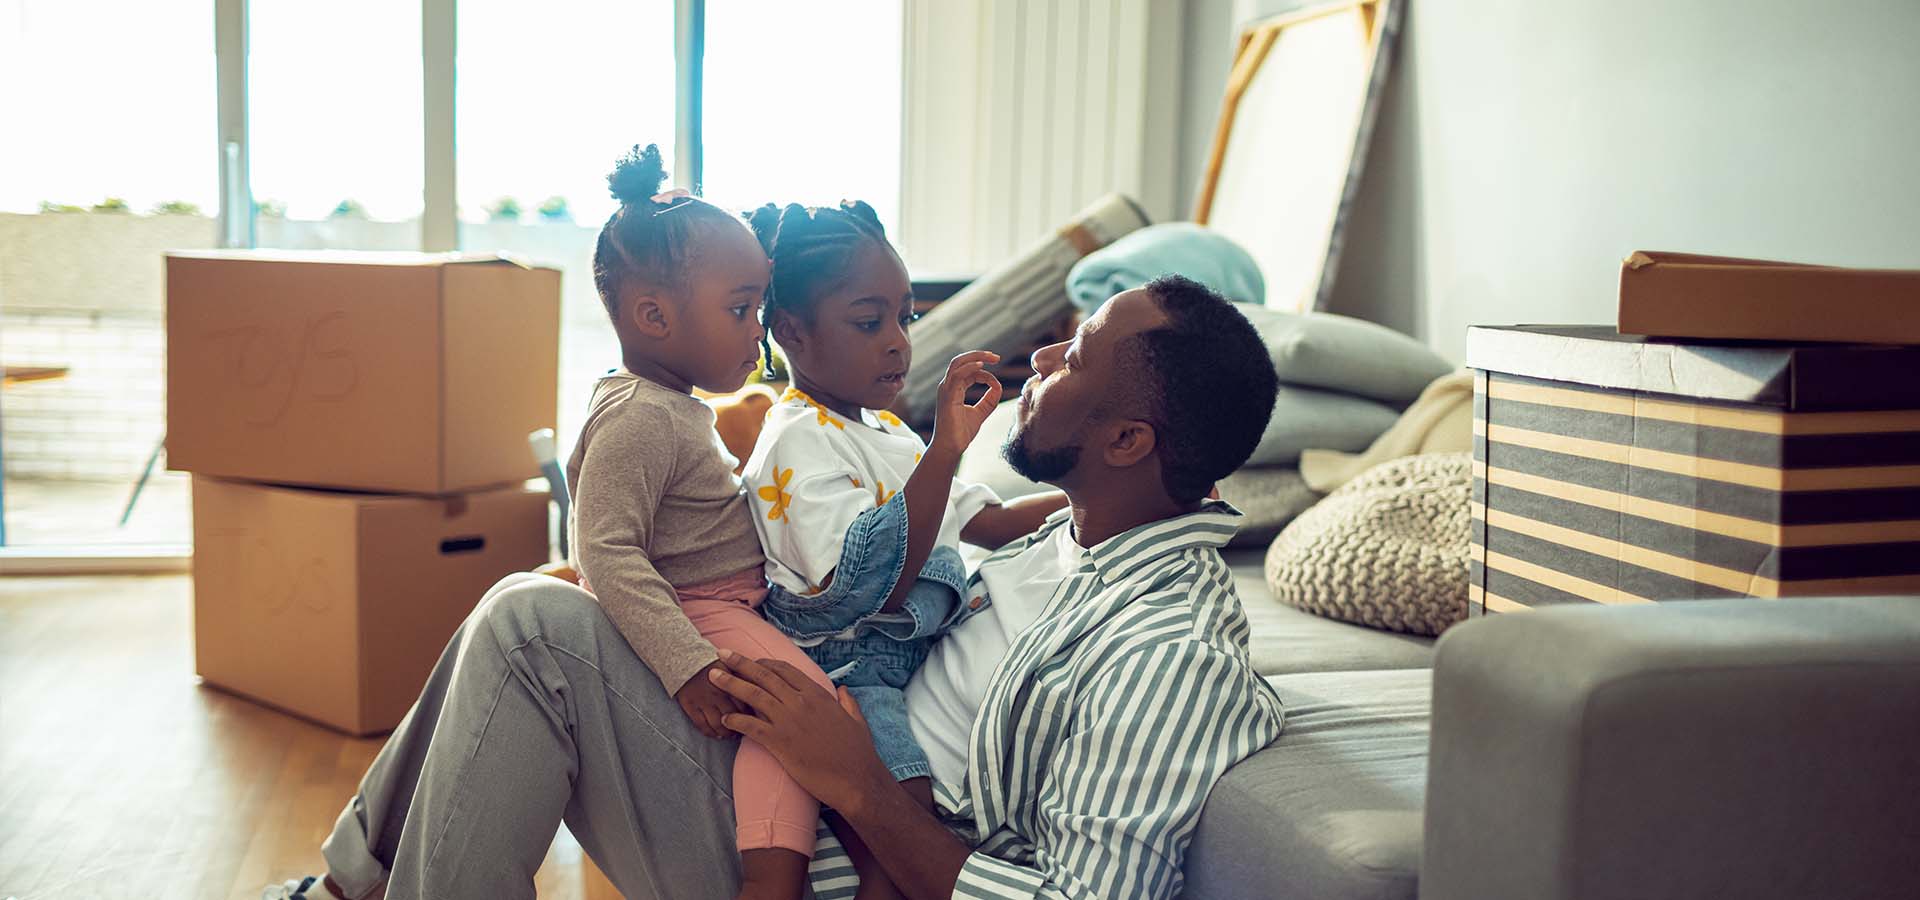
1292 138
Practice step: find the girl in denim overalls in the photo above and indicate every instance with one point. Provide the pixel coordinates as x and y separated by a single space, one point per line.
847 498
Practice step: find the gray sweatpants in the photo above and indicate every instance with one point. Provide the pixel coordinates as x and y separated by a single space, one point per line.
539 712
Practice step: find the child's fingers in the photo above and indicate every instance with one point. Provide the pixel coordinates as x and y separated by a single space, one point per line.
960 372
750 727
953 390
702 722
695 714
742 689
983 357
991 398
962 377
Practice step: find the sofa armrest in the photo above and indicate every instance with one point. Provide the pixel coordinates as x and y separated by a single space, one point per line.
1715 748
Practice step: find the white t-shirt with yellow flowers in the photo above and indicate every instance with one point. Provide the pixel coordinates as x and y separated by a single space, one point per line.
813 472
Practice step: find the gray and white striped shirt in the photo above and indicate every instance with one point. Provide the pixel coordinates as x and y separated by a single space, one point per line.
1106 724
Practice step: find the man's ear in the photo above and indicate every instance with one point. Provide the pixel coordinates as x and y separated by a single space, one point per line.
788 333
650 314
1130 442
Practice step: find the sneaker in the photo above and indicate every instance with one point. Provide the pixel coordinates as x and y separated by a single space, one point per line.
291 890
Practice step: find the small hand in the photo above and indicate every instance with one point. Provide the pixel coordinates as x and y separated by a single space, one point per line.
706 704
820 739
955 421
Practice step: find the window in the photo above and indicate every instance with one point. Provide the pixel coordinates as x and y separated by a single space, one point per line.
109 161
334 124
545 105
802 103
794 101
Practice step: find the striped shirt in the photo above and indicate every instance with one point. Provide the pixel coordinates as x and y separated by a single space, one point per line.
1106 724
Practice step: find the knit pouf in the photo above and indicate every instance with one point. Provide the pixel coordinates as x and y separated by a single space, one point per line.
1387 550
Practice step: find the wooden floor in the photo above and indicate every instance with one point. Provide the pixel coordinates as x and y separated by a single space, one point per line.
122 776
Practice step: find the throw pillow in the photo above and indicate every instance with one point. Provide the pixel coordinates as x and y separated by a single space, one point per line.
1306 418
1195 251
1340 353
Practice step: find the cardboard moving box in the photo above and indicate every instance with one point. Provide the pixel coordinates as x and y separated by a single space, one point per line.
1616 469
334 606
1684 295
403 372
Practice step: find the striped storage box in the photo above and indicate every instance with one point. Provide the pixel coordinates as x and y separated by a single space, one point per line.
1619 469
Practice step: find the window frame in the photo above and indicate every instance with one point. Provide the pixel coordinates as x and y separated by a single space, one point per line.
439 21
235 214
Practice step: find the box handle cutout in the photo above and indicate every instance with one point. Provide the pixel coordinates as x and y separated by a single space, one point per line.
463 544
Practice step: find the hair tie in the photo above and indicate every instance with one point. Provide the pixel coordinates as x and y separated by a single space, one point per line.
672 200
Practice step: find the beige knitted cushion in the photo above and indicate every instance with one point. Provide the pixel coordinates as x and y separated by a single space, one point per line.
1388 549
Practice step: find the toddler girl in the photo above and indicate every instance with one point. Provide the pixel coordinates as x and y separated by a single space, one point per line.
662 534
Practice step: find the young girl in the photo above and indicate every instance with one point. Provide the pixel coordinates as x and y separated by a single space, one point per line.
847 499
662 534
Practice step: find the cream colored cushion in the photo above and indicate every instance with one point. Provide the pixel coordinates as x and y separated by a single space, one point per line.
1388 550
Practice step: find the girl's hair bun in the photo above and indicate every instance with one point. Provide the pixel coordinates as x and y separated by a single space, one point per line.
637 176
770 223
860 210
765 223
795 218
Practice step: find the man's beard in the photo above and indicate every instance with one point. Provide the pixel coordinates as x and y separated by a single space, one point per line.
1038 465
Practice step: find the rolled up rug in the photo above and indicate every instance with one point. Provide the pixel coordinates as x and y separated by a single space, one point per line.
1008 307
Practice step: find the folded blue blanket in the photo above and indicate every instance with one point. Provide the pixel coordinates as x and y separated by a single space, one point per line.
1191 250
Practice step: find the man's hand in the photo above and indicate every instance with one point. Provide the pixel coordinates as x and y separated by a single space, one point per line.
823 744
705 704
955 421
820 740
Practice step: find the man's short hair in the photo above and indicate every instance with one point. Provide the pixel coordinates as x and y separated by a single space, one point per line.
1209 385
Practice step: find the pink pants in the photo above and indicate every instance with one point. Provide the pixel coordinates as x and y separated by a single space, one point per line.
769 809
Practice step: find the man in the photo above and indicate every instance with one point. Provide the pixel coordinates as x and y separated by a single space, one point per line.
1111 666
1075 721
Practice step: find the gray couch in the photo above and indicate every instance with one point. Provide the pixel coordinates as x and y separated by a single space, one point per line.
1736 748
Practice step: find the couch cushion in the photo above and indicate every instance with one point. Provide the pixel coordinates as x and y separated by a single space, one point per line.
1332 809
1286 640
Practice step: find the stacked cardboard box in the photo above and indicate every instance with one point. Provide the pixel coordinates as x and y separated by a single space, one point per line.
357 428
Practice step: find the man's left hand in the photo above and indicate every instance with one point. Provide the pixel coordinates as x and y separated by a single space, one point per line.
821 740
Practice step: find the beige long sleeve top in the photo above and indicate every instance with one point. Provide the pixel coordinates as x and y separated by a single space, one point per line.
655 505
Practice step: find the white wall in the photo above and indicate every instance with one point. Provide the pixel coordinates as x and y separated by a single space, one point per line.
1208 40
1525 146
